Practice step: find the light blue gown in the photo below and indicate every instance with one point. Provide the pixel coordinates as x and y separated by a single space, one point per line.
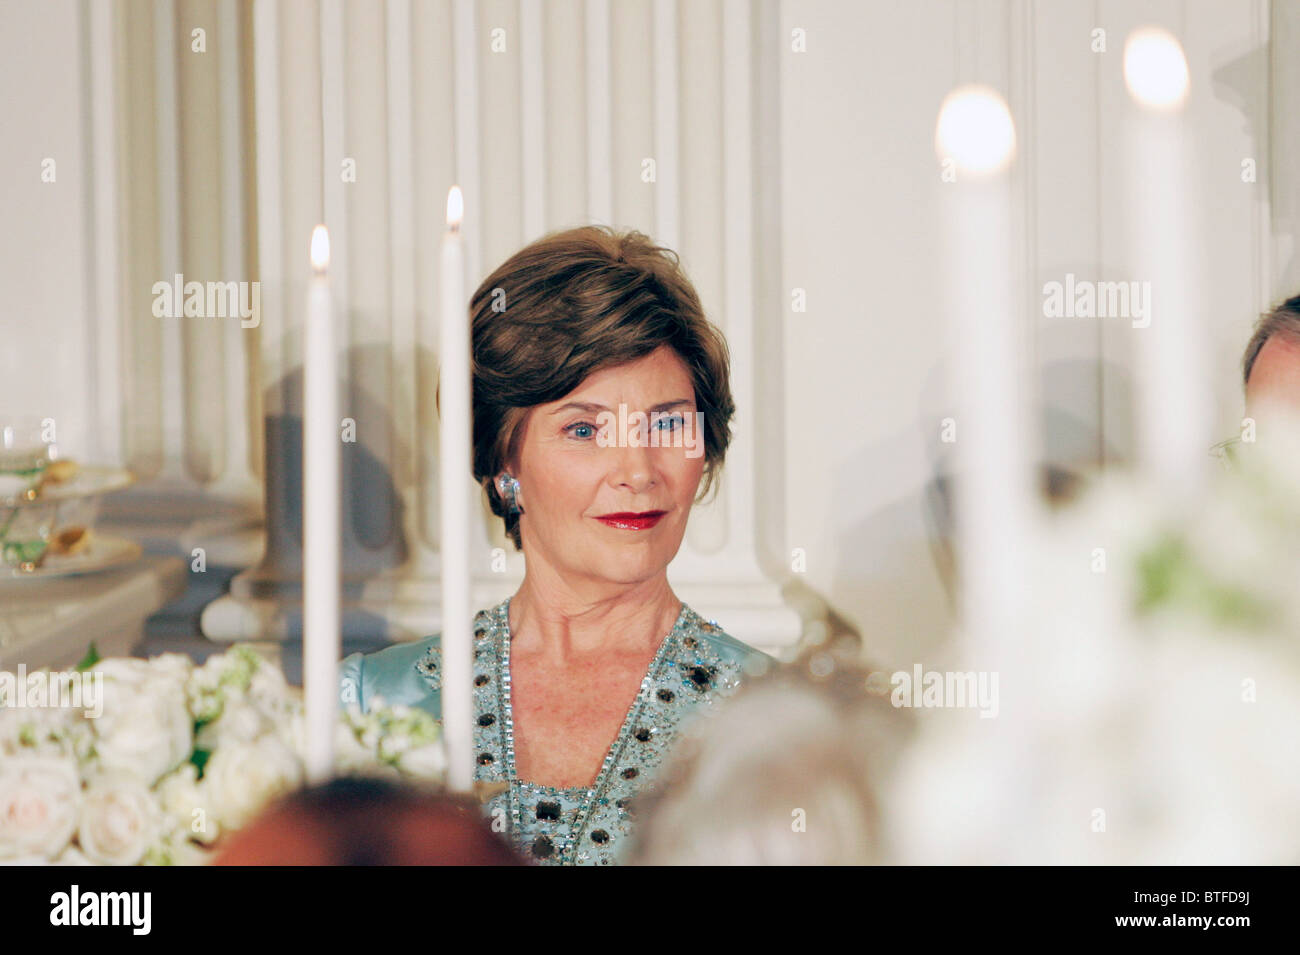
697 666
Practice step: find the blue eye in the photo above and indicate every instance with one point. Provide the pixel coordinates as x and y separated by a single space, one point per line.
674 422
573 429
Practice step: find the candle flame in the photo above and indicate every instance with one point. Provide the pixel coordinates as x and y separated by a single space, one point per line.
455 208
976 131
1155 69
320 248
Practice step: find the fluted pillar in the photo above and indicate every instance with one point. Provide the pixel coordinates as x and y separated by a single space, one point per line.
366 114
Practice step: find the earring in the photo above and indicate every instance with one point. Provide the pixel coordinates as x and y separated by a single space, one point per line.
508 485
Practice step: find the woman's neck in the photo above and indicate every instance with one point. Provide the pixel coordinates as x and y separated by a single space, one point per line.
560 621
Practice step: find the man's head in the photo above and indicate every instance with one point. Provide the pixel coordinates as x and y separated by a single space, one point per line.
1271 364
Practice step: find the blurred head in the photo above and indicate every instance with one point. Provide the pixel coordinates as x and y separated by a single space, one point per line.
784 773
1271 364
601 387
353 821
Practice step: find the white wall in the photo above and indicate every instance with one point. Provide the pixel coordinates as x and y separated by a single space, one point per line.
146 135
865 366
45 253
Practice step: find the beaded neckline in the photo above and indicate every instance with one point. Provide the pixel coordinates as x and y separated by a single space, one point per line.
506 707
588 824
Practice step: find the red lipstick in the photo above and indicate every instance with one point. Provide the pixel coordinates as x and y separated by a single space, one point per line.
628 520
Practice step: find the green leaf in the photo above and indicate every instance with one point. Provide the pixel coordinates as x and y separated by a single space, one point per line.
1160 570
200 759
90 659
1170 577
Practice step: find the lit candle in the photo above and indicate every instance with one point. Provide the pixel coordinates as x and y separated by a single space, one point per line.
321 495
994 492
455 472
1174 399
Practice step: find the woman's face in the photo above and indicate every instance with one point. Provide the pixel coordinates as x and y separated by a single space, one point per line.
581 461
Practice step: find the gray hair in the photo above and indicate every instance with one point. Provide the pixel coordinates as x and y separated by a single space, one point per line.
784 773
1284 320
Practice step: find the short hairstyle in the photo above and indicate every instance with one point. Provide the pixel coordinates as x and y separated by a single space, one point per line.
573 303
1284 320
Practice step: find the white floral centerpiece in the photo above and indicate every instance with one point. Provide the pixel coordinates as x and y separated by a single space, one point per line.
173 755
1150 708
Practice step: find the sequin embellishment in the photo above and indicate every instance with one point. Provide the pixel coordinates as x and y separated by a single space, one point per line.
589 825
430 666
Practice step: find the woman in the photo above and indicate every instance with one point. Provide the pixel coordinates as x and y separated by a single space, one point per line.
601 405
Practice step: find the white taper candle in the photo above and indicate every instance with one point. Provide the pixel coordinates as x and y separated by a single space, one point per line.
994 495
455 448
1175 410
322 644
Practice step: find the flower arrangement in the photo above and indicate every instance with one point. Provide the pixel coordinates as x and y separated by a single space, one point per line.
1150 697
174 755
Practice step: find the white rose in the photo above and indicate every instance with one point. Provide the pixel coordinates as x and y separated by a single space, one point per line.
370 737
393 745
184 798
242 777
292 731
177 850
145 730
269 692
46 730
240 722
39 800
203 690
72 856
176 667
349 754
425 762
11 724
120 821
125 671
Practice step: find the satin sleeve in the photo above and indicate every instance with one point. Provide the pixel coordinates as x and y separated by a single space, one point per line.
350 681
392 675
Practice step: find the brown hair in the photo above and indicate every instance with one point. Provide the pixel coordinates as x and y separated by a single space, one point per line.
570 304
359 820
1283 321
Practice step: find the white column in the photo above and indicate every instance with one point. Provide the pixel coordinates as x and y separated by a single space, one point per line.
465 45
204 405
667 185
106 327
719 571
287 77
600 189
532 115
242 400
171 387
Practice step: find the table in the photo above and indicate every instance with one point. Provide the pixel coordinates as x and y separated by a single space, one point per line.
51 622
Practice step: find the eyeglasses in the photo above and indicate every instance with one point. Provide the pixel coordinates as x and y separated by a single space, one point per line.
1226 452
